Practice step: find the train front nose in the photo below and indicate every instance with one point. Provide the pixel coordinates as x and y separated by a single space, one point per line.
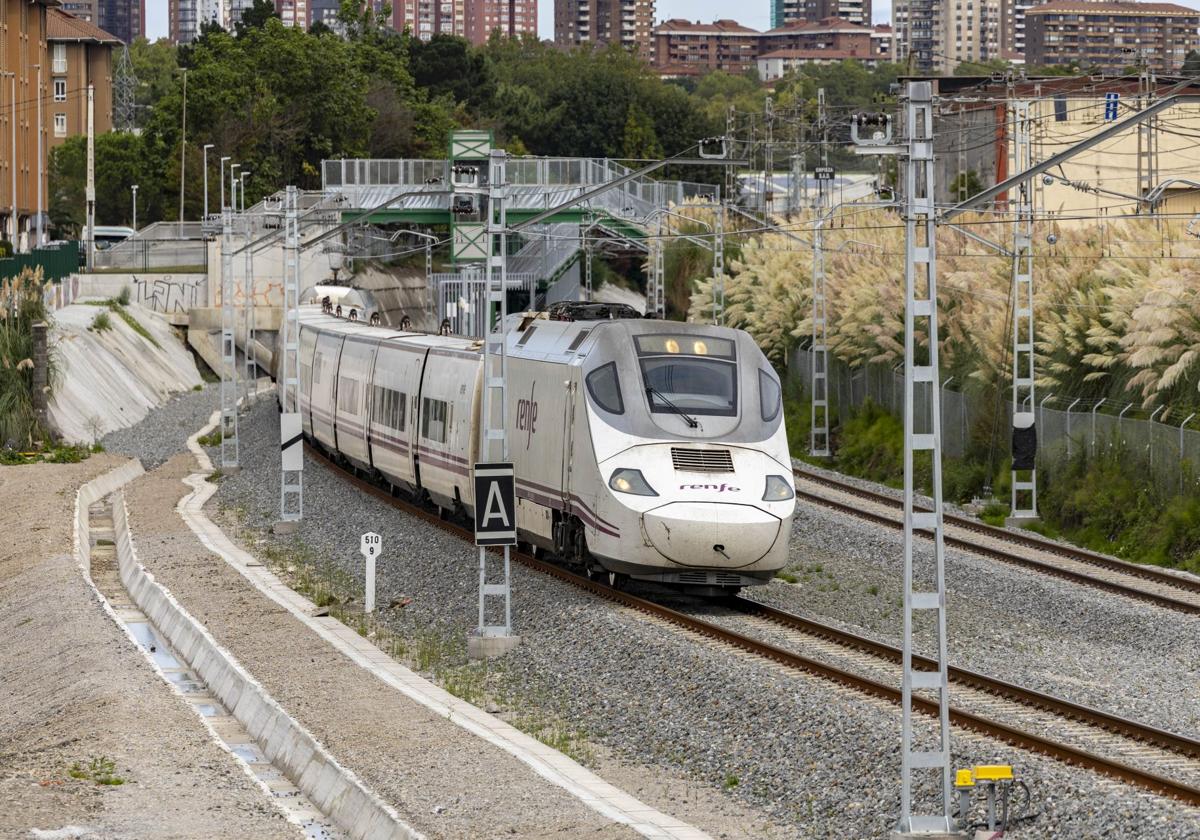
710 534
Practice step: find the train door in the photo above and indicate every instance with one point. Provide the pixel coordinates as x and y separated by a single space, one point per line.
308 350
324 388
396 384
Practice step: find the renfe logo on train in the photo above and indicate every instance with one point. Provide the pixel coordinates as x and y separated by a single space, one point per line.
527 416
720 488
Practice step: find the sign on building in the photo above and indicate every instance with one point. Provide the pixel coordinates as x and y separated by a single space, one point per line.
1111 101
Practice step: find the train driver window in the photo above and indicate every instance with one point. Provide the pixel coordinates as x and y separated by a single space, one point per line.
769 397
435 420
605 388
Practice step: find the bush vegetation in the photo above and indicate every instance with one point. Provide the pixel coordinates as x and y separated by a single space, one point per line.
21 306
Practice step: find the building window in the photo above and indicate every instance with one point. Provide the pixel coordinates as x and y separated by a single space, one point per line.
60 90
60 125
59 62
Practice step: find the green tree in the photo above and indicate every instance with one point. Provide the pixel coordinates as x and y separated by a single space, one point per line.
1191 64
121 160
256 16
154 64
640 142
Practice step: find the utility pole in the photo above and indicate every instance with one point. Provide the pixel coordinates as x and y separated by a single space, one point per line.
920 302
819 432
182 155
1024 435
768 155
730 173
495 390
134 189
587 265
12 161
250 355
90 194
41 198
229 394
291 436
125 93
657 303
222 179
928 594
204 153
718 287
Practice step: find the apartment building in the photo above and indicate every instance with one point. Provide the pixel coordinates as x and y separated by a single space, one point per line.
1012 36
785 12
629 23
80 55
126 19
24 33
187 16
511 18
683 48
426 18
1111 35
935 36
783 51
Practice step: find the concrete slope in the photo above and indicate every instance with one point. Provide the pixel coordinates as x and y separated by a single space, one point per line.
109 379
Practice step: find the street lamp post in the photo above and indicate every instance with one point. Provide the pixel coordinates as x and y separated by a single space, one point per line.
242 188
204 152
233 182
134 187
227 157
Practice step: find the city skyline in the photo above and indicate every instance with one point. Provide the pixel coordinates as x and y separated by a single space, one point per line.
759 16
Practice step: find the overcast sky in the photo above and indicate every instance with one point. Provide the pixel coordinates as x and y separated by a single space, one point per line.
756 13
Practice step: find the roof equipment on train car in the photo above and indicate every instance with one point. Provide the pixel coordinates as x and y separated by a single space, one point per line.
575 310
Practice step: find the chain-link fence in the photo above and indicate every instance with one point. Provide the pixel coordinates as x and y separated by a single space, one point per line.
1165 449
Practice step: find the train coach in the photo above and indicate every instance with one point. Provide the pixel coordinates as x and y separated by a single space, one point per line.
643 449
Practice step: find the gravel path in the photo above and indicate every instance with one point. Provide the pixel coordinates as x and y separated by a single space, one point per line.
817 759
75 689
164 431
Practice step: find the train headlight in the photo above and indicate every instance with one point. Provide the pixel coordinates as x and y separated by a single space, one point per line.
778 490
631 481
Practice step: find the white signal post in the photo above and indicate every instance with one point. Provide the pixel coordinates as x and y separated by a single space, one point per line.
370 546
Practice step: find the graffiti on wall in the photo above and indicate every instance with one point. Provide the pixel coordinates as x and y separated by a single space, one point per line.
167 293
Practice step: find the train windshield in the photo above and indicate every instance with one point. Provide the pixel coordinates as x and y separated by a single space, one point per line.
690 374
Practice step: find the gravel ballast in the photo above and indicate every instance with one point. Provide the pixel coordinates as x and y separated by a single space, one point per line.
164 431
818 760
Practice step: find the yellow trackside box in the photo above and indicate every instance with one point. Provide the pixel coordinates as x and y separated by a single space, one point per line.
994 773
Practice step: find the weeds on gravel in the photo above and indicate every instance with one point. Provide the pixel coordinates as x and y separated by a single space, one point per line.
65 454
787 577
731 781
555 735
213 438
99 769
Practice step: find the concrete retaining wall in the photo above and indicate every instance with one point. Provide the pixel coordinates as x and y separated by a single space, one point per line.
331 787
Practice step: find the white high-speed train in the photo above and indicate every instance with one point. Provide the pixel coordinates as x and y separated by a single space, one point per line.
649 449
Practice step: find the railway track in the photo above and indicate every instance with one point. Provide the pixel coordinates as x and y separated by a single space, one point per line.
1030 551
859 664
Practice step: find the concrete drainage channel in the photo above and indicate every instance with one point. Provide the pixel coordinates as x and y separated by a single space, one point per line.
308 785
106 577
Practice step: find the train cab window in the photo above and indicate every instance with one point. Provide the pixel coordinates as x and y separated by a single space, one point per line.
769 396
347 398
388 408
693 374
605 388
435 420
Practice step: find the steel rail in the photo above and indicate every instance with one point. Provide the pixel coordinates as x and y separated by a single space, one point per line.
1165 739
977 723
1098 560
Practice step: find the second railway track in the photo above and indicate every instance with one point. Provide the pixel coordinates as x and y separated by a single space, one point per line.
1134 753
1144 583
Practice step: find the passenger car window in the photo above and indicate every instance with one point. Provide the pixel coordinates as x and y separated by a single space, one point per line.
435 417
605 388
769 396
